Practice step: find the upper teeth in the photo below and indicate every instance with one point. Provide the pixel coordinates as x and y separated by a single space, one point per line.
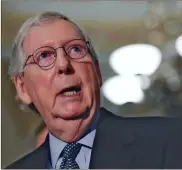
69 93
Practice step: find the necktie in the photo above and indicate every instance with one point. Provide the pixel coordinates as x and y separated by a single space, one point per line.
69 155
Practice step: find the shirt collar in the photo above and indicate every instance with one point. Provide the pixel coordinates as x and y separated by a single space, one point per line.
56 145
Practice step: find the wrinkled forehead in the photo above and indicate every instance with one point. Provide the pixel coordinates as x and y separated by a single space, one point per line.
54 33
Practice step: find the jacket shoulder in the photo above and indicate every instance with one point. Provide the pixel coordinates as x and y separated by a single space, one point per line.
22 162
36 159
152 126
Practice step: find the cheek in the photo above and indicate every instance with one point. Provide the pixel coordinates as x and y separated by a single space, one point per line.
39 88
38 79
89 77
86 74
37 83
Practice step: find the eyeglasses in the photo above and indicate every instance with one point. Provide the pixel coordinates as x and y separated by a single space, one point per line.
46 56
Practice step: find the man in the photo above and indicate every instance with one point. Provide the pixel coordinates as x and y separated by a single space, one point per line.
56 72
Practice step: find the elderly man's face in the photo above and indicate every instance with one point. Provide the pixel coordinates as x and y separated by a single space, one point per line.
67 94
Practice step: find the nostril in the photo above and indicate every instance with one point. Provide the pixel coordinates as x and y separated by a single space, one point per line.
60 72
68 70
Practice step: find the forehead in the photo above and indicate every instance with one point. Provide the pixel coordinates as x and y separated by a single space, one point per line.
54 34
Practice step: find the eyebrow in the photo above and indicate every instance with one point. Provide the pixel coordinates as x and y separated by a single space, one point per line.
49 44
62 43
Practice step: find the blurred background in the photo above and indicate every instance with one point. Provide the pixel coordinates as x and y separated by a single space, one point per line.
139 44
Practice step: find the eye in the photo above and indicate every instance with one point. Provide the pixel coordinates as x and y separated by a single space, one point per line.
76 49
44 54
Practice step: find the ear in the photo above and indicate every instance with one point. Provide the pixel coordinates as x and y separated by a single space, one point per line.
96 62
21 90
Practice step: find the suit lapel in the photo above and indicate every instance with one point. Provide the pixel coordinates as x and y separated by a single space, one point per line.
113 143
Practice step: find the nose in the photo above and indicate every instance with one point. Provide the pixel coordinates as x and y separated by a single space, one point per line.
63 63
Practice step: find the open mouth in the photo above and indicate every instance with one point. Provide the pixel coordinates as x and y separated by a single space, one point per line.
71 91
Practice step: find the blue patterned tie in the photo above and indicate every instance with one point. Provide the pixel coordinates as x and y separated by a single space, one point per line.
69 155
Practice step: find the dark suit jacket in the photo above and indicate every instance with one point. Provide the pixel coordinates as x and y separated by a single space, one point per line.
124 143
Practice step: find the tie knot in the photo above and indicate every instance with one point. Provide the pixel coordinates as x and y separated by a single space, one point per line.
71 150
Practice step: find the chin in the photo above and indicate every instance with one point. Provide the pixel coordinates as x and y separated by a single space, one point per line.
75 115
74 112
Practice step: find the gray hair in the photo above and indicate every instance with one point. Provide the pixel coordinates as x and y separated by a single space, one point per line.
18 56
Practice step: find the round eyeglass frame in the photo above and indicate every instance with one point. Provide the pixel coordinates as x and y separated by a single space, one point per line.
87 43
